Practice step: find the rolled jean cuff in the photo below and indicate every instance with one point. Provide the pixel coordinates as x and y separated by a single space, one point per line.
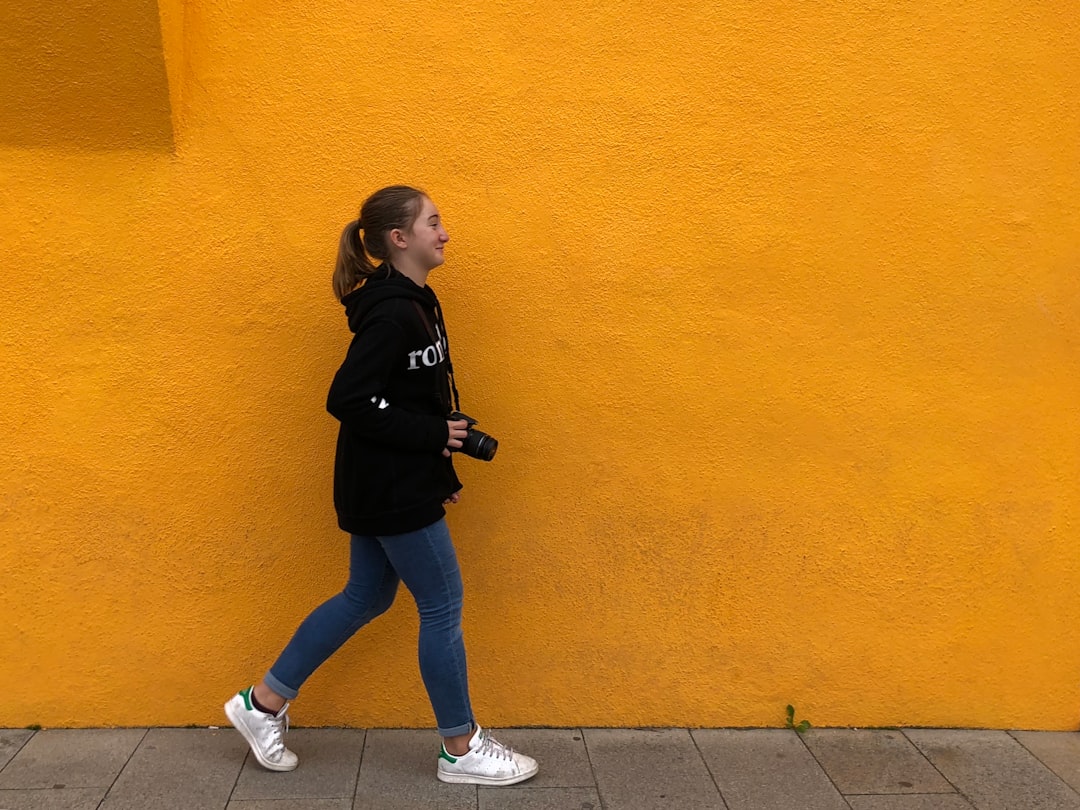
456 731
279 688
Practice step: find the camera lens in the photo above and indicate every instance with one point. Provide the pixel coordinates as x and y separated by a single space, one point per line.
480 445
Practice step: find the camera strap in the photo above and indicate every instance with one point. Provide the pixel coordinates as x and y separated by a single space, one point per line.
435 339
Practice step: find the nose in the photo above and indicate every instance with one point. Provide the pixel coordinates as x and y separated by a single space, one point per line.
444 236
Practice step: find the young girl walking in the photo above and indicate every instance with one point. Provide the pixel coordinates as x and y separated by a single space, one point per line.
393 477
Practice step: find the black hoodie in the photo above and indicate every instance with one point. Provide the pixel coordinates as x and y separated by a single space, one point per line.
392 397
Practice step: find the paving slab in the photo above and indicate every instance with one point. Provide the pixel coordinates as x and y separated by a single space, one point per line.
1057 750
398 773
11 740
932 801
291 804
74 758
993 770
637 769
564 762
766 769
874 761
51 799
195 769
329 762
517 798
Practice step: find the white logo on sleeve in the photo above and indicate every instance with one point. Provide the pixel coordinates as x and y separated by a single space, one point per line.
382 403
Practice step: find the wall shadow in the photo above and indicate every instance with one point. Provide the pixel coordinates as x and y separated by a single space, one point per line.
84 74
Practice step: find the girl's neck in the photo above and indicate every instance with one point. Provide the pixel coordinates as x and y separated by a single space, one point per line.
411 272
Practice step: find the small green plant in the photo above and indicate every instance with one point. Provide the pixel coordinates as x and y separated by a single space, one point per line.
799 727
34 727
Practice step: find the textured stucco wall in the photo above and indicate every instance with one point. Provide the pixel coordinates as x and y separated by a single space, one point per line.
85 74
774 308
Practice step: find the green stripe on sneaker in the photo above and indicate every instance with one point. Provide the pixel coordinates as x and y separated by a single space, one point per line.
246 695
447 757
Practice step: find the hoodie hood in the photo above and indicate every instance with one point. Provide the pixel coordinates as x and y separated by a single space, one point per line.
385 283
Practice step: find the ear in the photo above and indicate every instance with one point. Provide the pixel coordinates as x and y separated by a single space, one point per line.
398 239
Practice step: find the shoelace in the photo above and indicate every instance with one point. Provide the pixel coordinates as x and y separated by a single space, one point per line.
279 727
491 747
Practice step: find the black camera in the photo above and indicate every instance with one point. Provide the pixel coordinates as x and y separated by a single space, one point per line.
477 443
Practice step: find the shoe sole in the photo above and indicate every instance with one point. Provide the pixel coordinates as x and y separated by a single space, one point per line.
470 779
239 726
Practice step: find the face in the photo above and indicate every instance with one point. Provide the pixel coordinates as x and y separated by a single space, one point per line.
428 237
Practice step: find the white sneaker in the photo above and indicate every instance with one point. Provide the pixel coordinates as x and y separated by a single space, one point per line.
488 762
265 733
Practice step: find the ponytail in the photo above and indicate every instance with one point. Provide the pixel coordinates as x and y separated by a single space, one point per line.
352 266
388 208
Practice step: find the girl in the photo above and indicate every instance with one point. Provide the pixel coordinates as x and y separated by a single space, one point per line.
393 476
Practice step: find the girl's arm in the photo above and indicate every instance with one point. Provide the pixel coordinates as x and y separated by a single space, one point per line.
357 393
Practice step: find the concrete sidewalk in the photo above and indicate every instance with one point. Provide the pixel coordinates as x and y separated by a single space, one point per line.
580 769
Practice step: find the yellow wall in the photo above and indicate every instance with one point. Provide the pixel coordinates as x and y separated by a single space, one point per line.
83 74
774 308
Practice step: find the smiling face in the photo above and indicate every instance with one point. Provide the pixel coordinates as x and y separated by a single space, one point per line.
427 237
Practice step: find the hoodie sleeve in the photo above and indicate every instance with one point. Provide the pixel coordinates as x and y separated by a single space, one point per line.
356 394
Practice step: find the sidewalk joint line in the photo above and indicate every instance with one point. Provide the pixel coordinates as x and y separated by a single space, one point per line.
1037 759
239 773
359 765
802 738
124 767
908 793
708 770
933 765
33 733
592 769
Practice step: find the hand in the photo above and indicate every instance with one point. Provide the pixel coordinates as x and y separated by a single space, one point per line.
453 498
457 432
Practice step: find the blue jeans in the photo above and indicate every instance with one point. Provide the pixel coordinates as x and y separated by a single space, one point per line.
426 562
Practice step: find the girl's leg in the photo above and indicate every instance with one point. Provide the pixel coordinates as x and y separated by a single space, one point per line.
427 564
259 714
369 593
